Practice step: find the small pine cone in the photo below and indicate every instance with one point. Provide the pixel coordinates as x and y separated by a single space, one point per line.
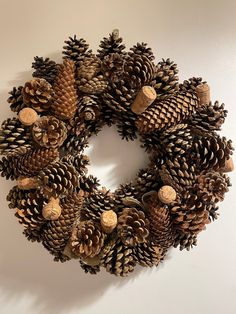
119 96
211 152
76 50
168 112
89 183
59 179
213 212
108 116
45 69
79 162
191 84
113 66
214 185
87 239
7 168
148 254
132 227
161 229
65 101
185 241
14 137
37 94
143 50
127 190
178 173
75 144
93 270
147 180
209 118
112 44
89 108
118 259
138 70
16 99
57 232
14 195
49 132
166 78
96 203
126 125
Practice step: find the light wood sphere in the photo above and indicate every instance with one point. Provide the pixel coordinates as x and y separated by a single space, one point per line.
167 194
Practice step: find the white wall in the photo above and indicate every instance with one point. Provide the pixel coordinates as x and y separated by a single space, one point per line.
201 37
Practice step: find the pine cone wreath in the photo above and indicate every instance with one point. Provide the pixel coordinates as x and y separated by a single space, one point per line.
60 204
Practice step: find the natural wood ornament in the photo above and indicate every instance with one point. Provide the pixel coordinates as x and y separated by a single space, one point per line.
60 204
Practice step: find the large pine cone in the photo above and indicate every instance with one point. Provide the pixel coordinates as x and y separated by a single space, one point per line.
37 94
65 101
45 69
87 239
148 254
76 49
168 112
143 50
16 99
132 227
49 132
112 44
118 259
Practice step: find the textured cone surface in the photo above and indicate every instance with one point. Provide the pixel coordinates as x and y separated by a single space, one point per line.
168 112
112 44
45 69
37 94
185 241
126 125
65 101
57 233
113 66
74 143
143 50
59 179
147 180
132 226
15 194
49 132
87 239
122 192
148 254
76 49
118 259
93 270
161 229
14 137
166 78
16 99
191 84
89 108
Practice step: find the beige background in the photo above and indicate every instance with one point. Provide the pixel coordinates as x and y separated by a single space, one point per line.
200 37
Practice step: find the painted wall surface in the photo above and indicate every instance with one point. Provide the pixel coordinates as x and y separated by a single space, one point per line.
201 37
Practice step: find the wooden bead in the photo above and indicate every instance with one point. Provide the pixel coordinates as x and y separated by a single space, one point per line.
52 210
167 194
108 221
27 116
27 183
229 166
144 99
203 93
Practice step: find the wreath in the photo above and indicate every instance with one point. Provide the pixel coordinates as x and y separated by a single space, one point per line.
60 205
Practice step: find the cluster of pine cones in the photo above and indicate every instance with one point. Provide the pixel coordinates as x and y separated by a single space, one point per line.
60 205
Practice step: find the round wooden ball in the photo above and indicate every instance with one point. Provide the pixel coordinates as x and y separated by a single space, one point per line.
167 194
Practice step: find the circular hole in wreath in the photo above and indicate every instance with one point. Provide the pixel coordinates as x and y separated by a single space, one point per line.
112 160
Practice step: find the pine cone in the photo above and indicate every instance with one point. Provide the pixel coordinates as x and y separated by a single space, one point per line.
126 126
45 69
124 191
191 84
185 241
138 70
148 254
87 239
113 66
49 132
59 179
161 229
14 137
57 233
143 50
93 270
89 183
147 180
211 152
213 185
89 108
65 98
14 195
168 112
166 78
76 50
112 44
37 94
132 227
74 144
118 259
79 162
16 99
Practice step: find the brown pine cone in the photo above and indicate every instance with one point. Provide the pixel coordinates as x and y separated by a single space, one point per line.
185 241
132 227
37 94
49 132
148 254
16 99
118 259
191 84
124 191
57 232
112 44
142 49
147 180
14 195
58 179
65 101
44 68
113 66
76 49
161 229
93 270
168 112
89 108
87 239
